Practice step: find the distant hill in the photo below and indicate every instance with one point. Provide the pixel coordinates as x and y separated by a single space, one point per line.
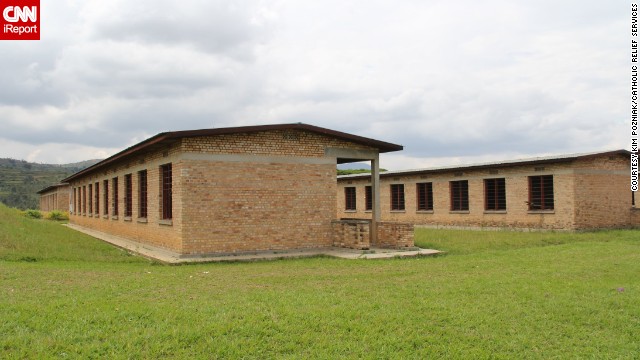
354 166
20 180
80 165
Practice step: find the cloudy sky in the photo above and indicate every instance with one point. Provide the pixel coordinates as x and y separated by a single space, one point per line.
453 81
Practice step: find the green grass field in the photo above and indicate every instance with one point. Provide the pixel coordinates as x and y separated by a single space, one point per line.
494 295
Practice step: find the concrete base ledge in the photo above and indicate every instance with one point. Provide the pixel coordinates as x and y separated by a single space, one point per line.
146 250
490 228
522 229
170 257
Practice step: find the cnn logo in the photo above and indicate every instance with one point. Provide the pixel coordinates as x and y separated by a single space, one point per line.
15 14
20 20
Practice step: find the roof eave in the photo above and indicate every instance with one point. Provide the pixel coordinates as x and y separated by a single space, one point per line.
524 162
126 152
383 147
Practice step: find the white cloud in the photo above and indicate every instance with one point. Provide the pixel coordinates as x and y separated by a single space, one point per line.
451 81
56 153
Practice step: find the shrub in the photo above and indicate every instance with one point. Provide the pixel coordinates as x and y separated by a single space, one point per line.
33 214
58 215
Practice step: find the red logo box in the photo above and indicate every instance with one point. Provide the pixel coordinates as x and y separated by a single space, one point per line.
19 19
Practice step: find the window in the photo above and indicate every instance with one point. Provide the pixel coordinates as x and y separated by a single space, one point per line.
397 197
494 194
74 202
424 193
105 185
114 183
459 195
84 199
128 196
541 192
368 198
142 194
165 191
97 187
350 198
90 199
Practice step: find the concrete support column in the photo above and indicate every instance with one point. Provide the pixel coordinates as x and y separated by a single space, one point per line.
375 193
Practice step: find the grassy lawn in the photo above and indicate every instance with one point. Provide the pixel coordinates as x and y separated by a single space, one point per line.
494 295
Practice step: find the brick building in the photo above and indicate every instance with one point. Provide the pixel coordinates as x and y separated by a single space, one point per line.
580 191
54 197
226 190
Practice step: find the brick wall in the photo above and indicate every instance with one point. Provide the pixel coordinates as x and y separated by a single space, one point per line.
151 230
285 143
635 217
574 208
395 235
355 234
603 194
48 201
254 206
351 234
272 190
55 199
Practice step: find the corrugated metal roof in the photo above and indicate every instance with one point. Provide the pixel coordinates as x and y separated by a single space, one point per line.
504 163
167 137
